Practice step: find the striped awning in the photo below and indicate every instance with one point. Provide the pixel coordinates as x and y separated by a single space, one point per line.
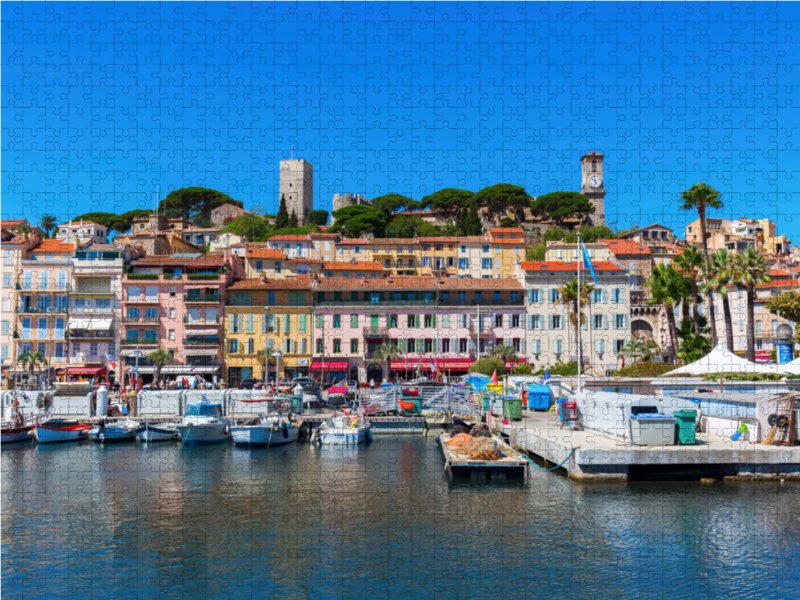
92 323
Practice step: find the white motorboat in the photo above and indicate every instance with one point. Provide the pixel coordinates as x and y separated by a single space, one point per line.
60 430
203 423
115 431
344 429
269 430
19 428
160 432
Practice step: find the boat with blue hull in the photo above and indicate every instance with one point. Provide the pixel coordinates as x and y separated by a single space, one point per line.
115 431
161 432
204 423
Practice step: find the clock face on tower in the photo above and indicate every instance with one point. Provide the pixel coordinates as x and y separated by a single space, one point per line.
595 181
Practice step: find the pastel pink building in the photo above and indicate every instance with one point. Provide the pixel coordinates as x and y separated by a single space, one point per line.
176 303
443 323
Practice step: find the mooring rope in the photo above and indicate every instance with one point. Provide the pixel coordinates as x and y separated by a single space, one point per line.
553 468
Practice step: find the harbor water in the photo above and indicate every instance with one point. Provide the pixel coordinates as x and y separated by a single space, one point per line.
382 521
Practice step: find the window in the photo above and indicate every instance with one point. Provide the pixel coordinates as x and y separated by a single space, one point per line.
6 327
517 346
278 266
233 346
353 321
534 321
554 295
320 346
514 295
413 320
516 249
320 321
270 298
557 345
463 263
462 345
58 350
429 321
533 296
250 323
463 248
391 320
387 263
353 346
619 321
337 321
172 334
287 323
486 263
410 263
618 344
514 320
758 327
259 265
498 320
774 327
438 246
357 249
426 261
411 342
478 296
337 346
485 248
597 321
302 323
8 258
251 346
428 345
556 321
497 249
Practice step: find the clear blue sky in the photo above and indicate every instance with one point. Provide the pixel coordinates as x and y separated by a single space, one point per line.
102 102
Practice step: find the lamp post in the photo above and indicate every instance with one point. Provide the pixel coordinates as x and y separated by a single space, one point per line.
266 346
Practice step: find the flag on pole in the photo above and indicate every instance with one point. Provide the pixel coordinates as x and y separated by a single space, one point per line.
433 366
587 262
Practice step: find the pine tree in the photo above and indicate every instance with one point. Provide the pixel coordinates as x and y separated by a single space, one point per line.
293 220
473 226
282 219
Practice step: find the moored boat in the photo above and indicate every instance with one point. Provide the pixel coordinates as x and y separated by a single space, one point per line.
60 430
19 428
204 423
345 429
115 431
269 430
160 432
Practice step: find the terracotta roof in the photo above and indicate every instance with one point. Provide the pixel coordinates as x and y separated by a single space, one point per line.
265 253
191 229
465 284
304 260
560 244
54 246
514 230
533 265
78 224
303 283
289 238
354 242
324 236
626 247
383 283
781 283
437 240
516 241
779 273
12 223
359 265
473 238
207 259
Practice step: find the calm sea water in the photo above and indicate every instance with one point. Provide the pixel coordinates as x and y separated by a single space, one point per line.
163 521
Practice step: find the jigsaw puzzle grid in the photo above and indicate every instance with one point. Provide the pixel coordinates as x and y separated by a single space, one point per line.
109 107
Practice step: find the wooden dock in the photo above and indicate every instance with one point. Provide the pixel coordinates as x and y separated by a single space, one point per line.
458 464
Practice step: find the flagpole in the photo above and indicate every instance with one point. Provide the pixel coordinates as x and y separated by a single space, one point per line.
579 260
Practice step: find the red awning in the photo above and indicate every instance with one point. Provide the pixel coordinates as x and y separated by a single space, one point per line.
459 364
510 365
411 365
83 371
329 365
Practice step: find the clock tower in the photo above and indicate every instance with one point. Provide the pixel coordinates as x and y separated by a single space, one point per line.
593 185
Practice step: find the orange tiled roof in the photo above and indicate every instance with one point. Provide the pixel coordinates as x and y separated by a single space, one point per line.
626 247
79 223
271 284
54 246
303 237
206 259
305 260
354 242
360 265
265 253
781 283
324 236
466 284
779 273
409 282
438 240
535 265
12 223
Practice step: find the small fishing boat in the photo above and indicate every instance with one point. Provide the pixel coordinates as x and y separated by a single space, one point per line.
115 431
344 429
203 423
18 428
267 430
60 430
160 432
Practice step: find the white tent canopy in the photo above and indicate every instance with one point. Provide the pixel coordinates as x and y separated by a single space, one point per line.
722 360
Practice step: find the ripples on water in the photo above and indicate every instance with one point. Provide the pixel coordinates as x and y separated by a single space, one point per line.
299 521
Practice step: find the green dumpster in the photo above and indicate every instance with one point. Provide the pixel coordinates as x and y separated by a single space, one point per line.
512 408
684 427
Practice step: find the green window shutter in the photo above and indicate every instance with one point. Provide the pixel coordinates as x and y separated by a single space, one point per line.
303 323
287 323
232 323
320 321
353 321
401 343
421 345
434 321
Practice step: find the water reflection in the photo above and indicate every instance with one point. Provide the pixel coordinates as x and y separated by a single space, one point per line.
300 521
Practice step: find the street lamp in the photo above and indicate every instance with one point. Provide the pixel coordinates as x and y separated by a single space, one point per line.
266 346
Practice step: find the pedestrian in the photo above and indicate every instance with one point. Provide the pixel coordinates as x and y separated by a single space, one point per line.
372 383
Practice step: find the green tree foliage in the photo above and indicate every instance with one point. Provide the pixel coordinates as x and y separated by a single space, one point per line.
354 221
690 263
118 223
392 203
538 252
293 222
523 369
48 223
693 346
299 231
282 218
666 287
752 269
469 223
253 227
195 203
318 217
560 205
488 365
646 369
786 305
508 222
561 369
500 198
450 202
554 234
409 226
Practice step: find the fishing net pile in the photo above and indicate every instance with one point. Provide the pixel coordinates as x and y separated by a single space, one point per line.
479 448
484 455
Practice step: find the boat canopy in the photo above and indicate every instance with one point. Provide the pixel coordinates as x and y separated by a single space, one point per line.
205 409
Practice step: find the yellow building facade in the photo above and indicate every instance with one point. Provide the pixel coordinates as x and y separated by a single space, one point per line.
272 315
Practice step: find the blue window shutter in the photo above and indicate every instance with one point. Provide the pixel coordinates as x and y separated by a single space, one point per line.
605 321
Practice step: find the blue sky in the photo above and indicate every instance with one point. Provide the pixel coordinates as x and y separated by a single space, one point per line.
103 102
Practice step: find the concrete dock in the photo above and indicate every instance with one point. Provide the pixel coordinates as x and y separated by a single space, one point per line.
599 458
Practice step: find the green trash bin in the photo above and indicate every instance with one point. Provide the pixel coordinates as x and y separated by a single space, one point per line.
684 427
512 408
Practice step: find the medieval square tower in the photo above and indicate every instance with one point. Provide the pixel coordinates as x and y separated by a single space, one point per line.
297 186
593 185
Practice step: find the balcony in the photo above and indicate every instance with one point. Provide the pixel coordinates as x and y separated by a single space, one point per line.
202 298
88 310
145 276
41 310
186 321
255 304
141 320
90 335
384 304
142 300
202 341
483 302
141 342
375 331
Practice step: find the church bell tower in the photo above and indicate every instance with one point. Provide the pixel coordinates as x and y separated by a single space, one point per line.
592 185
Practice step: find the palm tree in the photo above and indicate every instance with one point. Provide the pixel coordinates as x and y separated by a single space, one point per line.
388 352
32 361
48 223
701 197
752 269
504 352
690 263
665 288
636 349
159 358
568 295
723 270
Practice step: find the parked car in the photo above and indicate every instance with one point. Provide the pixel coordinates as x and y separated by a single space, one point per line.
247 383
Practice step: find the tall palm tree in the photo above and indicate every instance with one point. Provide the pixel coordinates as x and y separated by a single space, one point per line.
32 361
388 352
568 295
636 349
665 288
48 223
504 352
159 358
723 270
690 263
752 270
701 197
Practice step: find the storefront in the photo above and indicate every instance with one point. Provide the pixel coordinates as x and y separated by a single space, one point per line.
329 371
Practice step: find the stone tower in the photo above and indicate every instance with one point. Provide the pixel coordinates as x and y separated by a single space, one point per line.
297 186
593 185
